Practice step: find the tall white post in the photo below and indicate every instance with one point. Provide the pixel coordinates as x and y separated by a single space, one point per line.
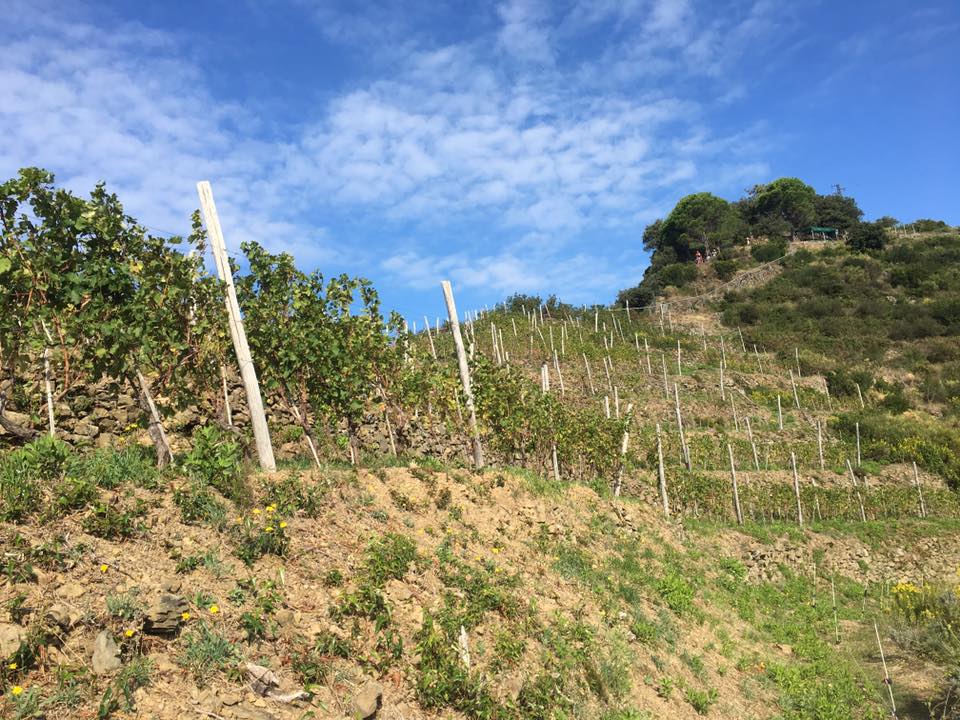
258 418
464 372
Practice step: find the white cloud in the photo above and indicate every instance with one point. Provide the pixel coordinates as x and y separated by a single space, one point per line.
503 132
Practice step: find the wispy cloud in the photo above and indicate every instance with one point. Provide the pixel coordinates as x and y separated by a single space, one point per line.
507 131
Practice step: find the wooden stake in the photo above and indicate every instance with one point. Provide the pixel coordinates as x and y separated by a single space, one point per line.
586 364
736 491
464 372
797 351
753 445
916 481
157 432
433 349
624 445
779 413
683 440
662 475
556 464
820 445
858 444
836 624
226 395
48 389
251 385
796 488
757 353
793 383
666 386
886 675
646 348
679 368
743 345
856 487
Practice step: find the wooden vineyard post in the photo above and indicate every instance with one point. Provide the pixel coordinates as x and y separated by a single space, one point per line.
796 350
757 353
679 368
666 385
779 413
756 458
586 364
157 433
743 345
858 444
836 624
624 446
226 395
251 385
736 491
860 395
433 349
556 366
662 475
916 481
646 348
48 389
723 395
796 488
683 440
464 372
556 463
886 675
793 384
820 445
853 477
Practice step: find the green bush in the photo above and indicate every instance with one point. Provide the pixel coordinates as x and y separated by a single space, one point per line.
216 459
678 274
725 269
769 251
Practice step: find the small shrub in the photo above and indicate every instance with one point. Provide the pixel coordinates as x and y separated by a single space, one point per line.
215 459
206 652
260 534
113 521
198 504
675 592
725 269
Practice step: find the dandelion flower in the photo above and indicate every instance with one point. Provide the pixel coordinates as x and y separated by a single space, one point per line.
214 609
271 508
129 633
268 528
16 690
12 666
256 511
283 524
103 568
495 550
185 615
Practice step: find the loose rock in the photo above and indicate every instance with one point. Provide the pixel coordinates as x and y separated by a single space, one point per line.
106 654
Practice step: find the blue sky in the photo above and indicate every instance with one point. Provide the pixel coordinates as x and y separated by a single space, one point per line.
507 146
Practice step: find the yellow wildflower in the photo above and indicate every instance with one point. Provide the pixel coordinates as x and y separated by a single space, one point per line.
256 511
283 524
268 528
185 616
214 609
495 550
271 508
103 568
12 666
16 690
129 633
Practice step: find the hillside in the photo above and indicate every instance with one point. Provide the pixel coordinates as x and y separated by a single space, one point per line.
700 508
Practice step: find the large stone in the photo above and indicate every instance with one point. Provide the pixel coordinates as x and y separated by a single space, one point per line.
106 654
10 638
165 615
367 702
86 429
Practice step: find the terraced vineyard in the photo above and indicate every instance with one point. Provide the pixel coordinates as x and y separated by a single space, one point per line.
674 516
